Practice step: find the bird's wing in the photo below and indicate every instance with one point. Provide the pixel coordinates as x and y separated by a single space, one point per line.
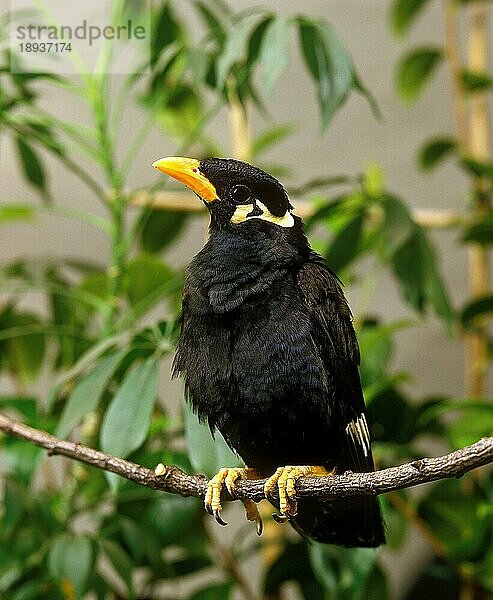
334 335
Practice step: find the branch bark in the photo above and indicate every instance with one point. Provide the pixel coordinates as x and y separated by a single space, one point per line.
176 481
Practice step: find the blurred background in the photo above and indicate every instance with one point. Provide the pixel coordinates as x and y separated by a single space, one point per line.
376 117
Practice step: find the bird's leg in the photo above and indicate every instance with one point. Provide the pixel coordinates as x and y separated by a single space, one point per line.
284 479
228 477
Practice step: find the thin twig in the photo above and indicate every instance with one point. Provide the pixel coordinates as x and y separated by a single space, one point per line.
176 481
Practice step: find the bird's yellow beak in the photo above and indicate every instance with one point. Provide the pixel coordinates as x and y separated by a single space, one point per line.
187 171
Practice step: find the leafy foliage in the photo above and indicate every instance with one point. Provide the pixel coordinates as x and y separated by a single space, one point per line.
415 71
86 532
404 12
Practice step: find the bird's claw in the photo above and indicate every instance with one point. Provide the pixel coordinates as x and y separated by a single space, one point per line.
284 481
252 514
217 515
279 518
227 478
212 500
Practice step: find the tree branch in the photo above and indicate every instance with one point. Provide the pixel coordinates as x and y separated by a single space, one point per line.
176 481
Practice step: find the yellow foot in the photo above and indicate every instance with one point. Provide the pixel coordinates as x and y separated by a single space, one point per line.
284 479
228 477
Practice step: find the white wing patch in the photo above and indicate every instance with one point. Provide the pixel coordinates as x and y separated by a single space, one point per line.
359 434
243 210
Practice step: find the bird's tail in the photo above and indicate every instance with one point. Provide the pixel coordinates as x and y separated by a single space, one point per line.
350 522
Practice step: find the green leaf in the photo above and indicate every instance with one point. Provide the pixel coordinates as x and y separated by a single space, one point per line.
235 48
484 571
174 520
475 308
373 180
161 228
434 288
86 395
166 31
325 210
22 459
170 288
126 422
270 137
70 561
96 284
477 168
293 565
211 20
376 344
25 352
376 585
274 52
403 13
218 591
188 565
346 244
256 39
329 64
392 417
434 151
14 504
179 110
120 561
456 520
398 225
16 212
408 270
414 265
473 423
415 70
480 232
207 454
360 87
396 526
142 542
429 413
31 164
30 590
24 405
143 275
476 81
343 572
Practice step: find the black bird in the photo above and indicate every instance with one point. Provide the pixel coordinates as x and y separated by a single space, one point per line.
269 354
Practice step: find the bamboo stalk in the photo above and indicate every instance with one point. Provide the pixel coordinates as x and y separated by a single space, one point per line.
240 127
453 58
473 137
479 148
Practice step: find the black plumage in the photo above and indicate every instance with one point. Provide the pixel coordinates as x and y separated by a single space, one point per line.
268 351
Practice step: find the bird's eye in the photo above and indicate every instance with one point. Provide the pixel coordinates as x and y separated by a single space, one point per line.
240 194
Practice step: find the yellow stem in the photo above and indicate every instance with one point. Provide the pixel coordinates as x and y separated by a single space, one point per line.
240 124
479 148
453 59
